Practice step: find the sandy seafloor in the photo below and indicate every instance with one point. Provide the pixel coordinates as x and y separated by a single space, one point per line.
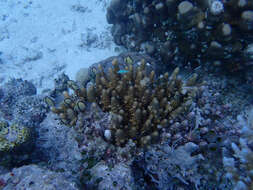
41 39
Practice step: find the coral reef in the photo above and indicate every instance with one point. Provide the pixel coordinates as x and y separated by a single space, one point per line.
140 104
212 128
199 136
20 111
28 134
186 32
203 147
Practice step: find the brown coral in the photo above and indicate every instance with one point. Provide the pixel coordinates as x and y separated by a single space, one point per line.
140 104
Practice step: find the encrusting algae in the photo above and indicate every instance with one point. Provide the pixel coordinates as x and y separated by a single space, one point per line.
12 136
140 104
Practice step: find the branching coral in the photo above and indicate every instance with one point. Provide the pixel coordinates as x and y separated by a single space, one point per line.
140 104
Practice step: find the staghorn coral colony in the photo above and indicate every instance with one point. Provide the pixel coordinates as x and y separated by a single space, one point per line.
140 104
184 33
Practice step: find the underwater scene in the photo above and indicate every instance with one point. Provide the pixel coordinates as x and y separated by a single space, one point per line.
126 95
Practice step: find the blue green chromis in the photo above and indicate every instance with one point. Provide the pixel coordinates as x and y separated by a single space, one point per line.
122 71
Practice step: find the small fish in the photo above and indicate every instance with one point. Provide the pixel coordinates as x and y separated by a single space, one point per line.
122 71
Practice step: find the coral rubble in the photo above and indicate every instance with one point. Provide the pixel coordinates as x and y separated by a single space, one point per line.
239 164
164 167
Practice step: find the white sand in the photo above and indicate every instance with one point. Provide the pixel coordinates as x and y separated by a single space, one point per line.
39 39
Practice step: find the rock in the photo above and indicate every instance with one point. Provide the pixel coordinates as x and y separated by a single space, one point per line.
118 177
56 145
33 177
82 76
